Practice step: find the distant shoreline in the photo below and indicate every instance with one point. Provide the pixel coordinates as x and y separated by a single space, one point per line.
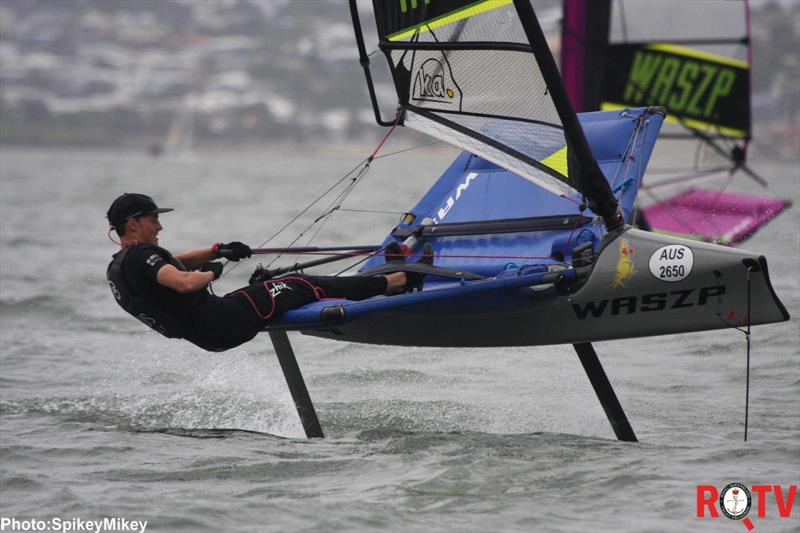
356 148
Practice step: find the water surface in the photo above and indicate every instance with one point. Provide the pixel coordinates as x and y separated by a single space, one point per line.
101 417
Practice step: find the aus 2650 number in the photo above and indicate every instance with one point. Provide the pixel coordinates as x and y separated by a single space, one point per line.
671 271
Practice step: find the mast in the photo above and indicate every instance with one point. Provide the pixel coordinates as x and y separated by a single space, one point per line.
584 41
363 59
583 168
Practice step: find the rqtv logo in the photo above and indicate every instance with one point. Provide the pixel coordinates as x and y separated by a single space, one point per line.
736 501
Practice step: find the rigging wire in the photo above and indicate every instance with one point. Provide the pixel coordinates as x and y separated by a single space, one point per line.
360 170
750 266
379 253
302 212
628 152
640 173
628 155
312 204
329 210
417 147
348 210
747 336
336 205
581 208
339 200
361 261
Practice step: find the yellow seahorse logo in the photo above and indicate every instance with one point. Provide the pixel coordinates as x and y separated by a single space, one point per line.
625 267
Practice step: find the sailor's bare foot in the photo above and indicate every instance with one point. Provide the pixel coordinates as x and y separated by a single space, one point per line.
395 283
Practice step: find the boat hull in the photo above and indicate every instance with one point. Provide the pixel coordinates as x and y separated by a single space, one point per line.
642 284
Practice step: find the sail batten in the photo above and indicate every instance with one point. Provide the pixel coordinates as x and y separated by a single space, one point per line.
460 13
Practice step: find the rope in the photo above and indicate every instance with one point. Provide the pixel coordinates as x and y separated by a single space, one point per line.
748 322
404 150
339 200
627 154
301 213
636 201
581 209
332 207
371 211
376 252
380 144
451 256
360 170
747 337
312 204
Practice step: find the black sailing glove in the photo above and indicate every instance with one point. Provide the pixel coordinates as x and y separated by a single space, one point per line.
212 266
232 250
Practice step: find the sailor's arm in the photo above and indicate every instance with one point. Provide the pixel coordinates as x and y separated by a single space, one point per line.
195 258
232 250
183 282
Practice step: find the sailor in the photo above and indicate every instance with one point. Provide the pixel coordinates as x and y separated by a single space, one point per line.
170 293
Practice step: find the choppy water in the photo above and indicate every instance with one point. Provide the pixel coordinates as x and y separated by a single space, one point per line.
99 417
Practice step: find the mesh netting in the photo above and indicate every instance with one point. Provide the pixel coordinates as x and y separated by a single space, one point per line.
536 141
487 82
488 97
488 152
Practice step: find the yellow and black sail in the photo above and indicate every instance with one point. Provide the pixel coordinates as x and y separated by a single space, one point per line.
480 75
692 58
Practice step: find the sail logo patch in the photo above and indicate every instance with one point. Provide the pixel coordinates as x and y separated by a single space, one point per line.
698 88
685 85
277 287
114 290
434 83
453 198
625 267
672 263
153 260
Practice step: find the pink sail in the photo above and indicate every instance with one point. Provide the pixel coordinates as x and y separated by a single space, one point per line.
713 216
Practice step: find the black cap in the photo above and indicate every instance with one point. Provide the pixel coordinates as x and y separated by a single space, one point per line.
131 205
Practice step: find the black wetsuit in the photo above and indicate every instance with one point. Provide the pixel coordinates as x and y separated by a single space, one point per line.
211 322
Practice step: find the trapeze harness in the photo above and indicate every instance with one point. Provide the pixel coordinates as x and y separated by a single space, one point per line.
138 306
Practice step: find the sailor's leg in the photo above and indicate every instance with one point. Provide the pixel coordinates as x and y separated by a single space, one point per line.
350 287
269 299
